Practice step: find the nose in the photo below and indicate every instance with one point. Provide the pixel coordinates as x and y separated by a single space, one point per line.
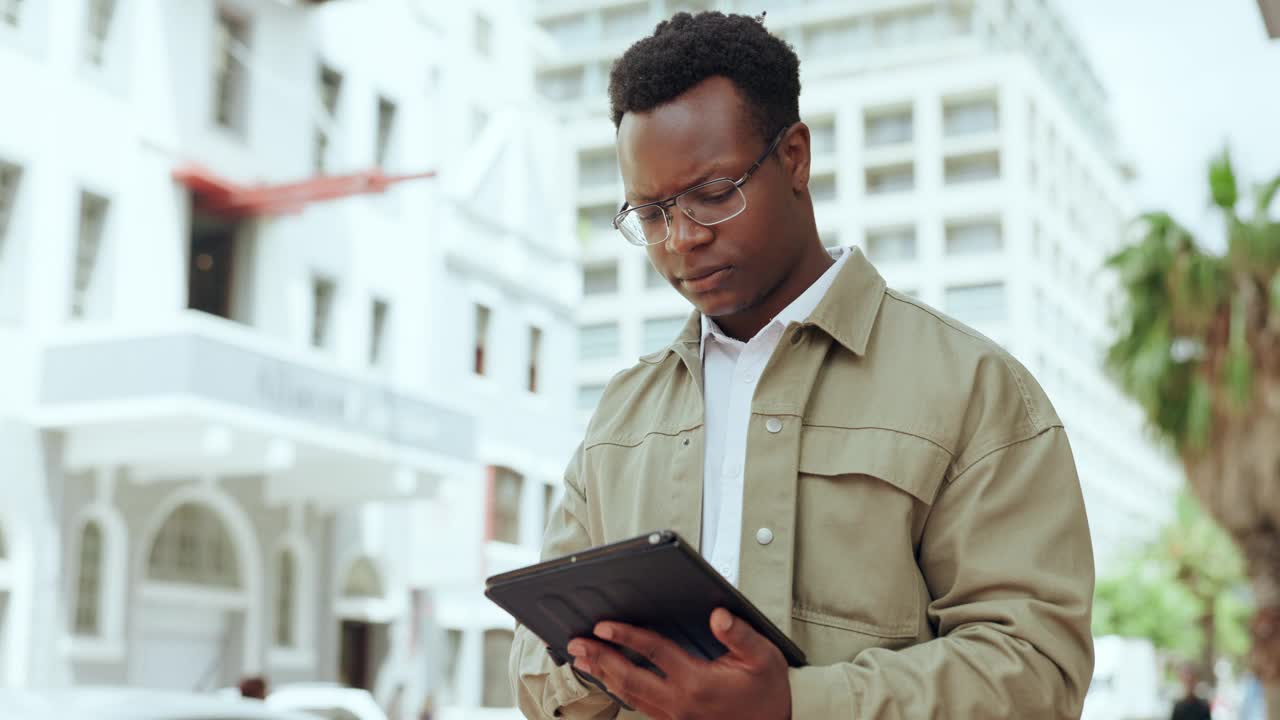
686 235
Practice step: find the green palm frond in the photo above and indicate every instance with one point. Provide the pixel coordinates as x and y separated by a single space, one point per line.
1222 183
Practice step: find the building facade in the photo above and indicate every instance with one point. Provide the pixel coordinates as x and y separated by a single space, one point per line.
287 311
964 146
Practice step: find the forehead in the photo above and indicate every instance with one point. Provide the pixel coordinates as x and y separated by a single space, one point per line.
704 131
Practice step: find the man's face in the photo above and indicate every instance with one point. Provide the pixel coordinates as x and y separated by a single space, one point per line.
729 268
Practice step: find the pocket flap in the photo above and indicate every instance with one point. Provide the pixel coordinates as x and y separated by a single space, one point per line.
910 463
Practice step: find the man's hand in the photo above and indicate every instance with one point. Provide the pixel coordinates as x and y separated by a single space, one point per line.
750 681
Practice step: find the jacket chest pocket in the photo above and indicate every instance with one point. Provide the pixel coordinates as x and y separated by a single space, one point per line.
862 495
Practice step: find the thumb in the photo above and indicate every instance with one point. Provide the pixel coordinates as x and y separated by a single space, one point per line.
739 637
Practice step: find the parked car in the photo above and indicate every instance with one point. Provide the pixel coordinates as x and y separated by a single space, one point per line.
326 700
118 703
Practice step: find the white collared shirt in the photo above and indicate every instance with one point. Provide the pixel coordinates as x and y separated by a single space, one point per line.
731 370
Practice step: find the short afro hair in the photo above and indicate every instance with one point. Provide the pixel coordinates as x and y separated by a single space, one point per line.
688 49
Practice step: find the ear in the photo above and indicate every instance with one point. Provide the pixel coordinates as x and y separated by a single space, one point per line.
794 151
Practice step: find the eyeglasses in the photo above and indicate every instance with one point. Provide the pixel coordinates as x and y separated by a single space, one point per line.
709 203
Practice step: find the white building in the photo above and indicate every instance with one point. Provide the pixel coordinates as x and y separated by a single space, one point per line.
252 421
963 145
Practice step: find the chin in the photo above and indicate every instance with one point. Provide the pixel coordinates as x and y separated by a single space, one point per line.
715 305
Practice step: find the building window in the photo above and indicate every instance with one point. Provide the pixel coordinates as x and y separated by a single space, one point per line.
549 497
569 30
231 74
627 21
889 127
891 179
10 176
497 651
822 137
378 331
969 117
600 279
589 396
484 36
562 85
535 353
661 332
330 89
822 188
286 592
323 290
598 341
98 29
505 510
193 546
972 168
386 130
449 668
88 618
900 29
837 38
597 168
594 220
975 304
363 580
481 339
653 278
93 220
888 245
11 12
977 237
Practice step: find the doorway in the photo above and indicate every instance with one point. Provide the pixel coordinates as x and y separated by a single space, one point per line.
219 264
362 651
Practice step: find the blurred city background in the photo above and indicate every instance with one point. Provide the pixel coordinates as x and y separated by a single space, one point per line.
304 306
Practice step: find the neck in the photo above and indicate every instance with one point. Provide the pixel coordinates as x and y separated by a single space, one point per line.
745 324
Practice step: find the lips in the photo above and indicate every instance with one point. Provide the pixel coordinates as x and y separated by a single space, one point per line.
701 281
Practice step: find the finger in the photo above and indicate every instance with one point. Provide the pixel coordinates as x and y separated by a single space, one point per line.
633 684
740 638
666 655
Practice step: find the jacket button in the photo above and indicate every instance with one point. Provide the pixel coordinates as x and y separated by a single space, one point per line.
764 536
773 425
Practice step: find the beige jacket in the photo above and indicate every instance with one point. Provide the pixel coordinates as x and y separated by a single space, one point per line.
930 550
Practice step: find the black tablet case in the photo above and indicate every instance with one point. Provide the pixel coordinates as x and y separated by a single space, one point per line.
655 581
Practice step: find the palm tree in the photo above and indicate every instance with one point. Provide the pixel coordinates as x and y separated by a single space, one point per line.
1199 350
1180 592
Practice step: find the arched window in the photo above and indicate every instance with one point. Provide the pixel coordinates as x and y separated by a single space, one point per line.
88 617
286 594
363 580
193 546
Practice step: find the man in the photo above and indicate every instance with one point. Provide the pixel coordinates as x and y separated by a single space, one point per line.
1191 706
890 488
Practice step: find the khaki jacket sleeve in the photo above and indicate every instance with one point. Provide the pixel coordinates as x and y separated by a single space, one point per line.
542 689
1007 558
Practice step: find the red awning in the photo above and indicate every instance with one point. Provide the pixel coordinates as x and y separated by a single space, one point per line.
220 196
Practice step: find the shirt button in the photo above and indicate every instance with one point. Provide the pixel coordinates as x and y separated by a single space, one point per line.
732 471
764 536
749 378
773 425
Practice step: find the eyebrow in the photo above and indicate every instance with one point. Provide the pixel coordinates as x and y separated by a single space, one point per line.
708 175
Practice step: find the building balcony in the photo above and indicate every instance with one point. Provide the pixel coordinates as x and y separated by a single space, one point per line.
202 396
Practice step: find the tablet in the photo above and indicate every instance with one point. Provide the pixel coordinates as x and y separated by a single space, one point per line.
655 581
